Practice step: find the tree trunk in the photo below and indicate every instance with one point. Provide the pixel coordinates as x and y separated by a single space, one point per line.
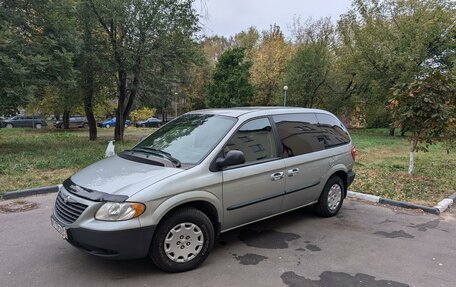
412 154
391 131
89 81
119 130
88 107
66 119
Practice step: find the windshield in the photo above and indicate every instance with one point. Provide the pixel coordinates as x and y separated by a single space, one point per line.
189 138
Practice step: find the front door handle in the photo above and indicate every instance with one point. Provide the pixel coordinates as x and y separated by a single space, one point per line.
293 171
277 176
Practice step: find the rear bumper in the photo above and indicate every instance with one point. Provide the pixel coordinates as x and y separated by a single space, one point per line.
121 244
350 178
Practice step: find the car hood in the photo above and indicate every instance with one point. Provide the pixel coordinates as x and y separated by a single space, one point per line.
118 176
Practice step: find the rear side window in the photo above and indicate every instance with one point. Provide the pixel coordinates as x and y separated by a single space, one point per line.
334 132
299 134
255 139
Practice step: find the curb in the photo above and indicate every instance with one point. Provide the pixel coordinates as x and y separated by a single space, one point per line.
29 192
438 209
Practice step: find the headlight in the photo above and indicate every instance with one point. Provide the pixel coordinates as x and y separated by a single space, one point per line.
117 211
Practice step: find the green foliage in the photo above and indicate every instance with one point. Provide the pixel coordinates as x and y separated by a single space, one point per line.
142 114
425 107
36 49
386 43
147 40
230 86
307 75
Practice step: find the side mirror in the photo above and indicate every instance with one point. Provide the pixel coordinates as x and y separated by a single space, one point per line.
233 157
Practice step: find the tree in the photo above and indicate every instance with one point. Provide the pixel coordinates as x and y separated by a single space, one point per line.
36 50
214 46
425 107
230 86
247 39
386 43
269 62
139 32
308 72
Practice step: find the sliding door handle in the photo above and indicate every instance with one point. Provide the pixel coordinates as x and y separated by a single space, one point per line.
293 171
277 176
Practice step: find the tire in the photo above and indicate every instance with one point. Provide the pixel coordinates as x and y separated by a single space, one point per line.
38 126
331 198
107 126
85 125
9 126
143 125
196 227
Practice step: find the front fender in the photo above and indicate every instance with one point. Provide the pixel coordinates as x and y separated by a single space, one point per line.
156 210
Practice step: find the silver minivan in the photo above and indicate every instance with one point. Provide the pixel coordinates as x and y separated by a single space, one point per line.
202 174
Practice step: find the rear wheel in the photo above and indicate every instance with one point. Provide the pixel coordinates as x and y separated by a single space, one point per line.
10 126
85 125
182 241
38 126
107 126
331 198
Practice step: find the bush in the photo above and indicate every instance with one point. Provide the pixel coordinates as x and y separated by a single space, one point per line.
142 114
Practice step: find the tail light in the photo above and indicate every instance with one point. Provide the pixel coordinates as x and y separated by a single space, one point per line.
353 152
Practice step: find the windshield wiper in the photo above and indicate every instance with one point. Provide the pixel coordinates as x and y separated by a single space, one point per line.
162 153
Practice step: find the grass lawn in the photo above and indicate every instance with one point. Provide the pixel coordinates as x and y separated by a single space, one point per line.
33 158
382 164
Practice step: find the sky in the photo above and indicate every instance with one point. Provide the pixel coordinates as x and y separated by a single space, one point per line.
228 17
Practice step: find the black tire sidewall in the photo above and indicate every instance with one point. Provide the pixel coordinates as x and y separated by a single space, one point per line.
322 205
192 215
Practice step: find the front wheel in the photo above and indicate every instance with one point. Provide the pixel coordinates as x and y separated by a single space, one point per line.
9 126
38 126
107 126
182 241
331 198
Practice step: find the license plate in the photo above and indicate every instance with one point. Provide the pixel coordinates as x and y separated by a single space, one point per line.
60 229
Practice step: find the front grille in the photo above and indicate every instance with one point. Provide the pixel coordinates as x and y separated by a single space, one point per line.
68 211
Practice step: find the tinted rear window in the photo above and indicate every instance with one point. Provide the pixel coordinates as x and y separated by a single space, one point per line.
299 134
334 132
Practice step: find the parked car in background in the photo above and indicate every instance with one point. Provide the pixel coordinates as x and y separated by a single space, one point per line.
112 123
150 122
75 122
21 121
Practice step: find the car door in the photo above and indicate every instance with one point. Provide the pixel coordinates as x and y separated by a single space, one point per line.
24 121
255 189
304 156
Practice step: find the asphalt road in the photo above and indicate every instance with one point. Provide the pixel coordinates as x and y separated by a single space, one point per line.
364 245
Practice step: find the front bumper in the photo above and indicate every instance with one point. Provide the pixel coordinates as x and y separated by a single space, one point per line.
120 244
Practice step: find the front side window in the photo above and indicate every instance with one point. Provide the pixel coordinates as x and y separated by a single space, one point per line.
255 139
299 134
188 138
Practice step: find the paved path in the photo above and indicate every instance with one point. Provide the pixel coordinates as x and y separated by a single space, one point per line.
364 245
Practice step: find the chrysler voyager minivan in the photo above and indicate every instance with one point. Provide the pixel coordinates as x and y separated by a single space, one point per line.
202 174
